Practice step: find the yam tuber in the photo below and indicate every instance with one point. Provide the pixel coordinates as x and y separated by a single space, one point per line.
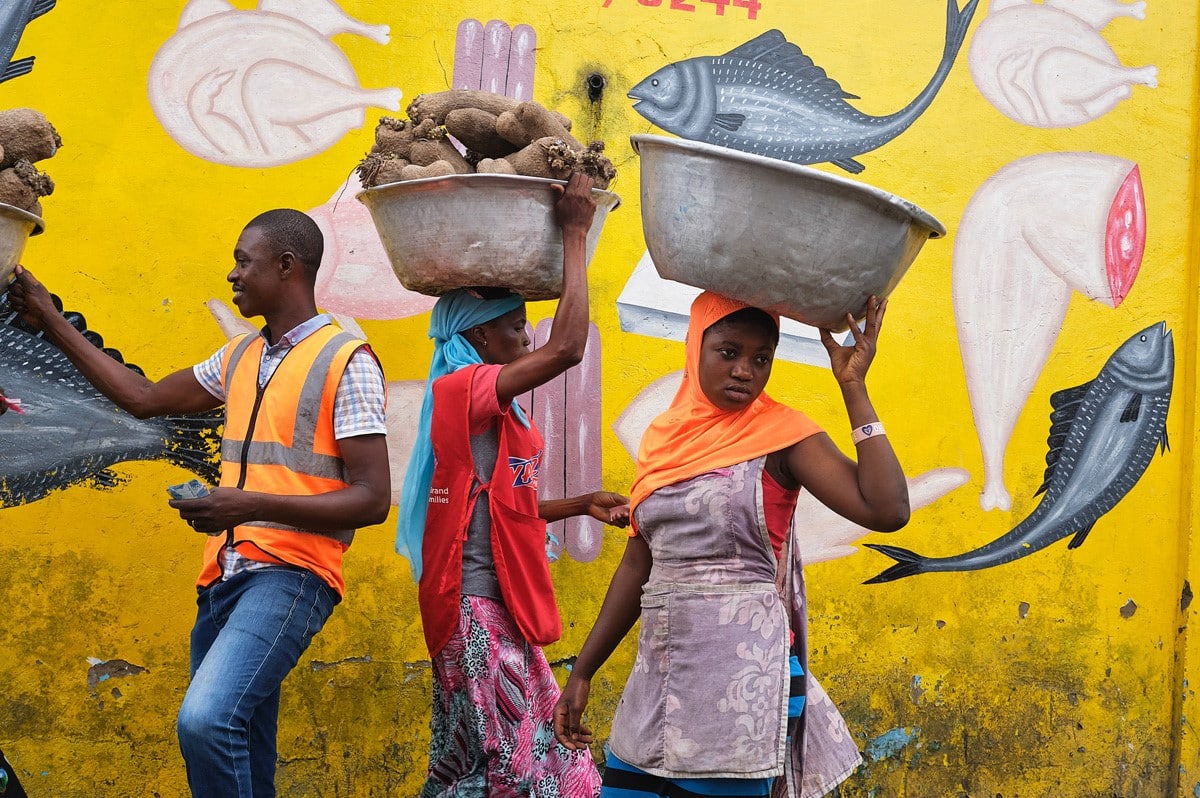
23 184
436 106
435 169
424 152
378 168
495 166
593 161
476 129
529 122
542 158
396 136
26 134
501 136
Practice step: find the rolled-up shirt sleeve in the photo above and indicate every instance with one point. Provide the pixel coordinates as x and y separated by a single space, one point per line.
361 398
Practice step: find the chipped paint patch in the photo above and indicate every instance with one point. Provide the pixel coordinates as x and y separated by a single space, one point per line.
890 743
916 691
103 670
1128 609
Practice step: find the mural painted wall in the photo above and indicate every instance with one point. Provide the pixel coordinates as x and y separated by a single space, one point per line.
1037 374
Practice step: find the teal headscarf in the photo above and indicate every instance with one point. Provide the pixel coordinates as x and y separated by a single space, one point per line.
453 314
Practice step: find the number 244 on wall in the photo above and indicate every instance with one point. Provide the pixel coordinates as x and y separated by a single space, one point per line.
751 6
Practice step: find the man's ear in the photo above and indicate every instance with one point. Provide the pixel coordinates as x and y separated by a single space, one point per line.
288 264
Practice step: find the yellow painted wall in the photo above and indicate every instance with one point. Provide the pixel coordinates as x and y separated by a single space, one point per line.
1022 680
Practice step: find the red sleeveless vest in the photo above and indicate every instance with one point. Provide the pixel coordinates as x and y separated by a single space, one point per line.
518 533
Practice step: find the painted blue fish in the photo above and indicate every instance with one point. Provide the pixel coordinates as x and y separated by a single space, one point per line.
14 16
768 98
70 433
1102 437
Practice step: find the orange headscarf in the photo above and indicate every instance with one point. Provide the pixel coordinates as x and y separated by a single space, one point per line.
693 436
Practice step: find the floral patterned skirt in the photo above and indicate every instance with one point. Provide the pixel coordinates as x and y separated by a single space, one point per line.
493 704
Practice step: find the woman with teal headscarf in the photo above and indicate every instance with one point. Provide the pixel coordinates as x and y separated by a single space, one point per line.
473 530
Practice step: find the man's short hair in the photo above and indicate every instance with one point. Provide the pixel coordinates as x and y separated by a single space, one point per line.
292 231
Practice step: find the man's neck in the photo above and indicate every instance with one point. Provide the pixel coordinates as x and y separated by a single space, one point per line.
280 324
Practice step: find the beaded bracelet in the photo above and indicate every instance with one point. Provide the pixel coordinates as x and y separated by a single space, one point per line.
866 431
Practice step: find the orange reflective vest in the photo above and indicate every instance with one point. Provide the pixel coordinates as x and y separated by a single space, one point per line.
279 440
518 533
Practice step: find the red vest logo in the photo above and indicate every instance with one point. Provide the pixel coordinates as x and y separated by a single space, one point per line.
525 470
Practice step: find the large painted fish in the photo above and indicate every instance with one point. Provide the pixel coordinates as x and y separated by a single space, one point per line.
768 98
14 16
1102 437
70 434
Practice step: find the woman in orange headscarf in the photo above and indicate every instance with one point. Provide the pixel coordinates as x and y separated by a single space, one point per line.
719 699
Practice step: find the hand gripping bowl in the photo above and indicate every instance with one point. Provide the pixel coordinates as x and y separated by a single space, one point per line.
442 233
808 245
16 226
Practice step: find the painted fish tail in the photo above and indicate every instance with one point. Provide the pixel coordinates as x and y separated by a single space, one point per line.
907 562
194 443
958 20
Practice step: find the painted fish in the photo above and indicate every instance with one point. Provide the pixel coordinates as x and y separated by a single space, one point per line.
70 434
768 98
14 16
1102 437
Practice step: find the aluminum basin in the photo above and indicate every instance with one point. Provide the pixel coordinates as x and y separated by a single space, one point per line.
787 238
442 233
16 226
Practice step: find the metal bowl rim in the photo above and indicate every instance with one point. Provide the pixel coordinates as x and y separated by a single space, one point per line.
919 214
506 181
39 224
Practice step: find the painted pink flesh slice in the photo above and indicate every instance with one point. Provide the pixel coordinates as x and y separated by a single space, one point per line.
1125 236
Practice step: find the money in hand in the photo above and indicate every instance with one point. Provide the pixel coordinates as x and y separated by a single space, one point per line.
192 489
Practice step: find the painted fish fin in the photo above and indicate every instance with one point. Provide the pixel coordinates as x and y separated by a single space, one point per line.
1080 536
41 7
1163 443
849 164
105 479
760 46
22 66
773 50
1132 410
730 122
1065 404
195 444
907 564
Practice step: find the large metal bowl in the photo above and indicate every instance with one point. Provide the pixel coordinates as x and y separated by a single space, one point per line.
16 226
442 233
808 245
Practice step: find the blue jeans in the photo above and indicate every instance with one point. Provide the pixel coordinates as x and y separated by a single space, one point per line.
250 632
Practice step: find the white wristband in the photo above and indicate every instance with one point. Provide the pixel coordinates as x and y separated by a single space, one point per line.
866 431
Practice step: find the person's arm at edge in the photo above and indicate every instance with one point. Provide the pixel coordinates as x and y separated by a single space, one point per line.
573 212
179 392
611 508
619 612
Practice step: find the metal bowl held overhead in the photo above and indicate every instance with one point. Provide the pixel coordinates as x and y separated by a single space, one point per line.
442 233
16 226
787 238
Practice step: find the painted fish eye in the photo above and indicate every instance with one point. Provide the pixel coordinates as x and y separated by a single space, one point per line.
1142 339
654 82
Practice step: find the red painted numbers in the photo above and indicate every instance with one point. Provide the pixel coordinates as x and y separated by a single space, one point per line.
751 6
